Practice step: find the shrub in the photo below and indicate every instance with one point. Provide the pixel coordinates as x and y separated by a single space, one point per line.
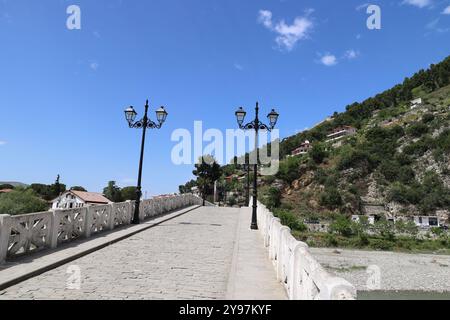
381 244
289 169
427 117
390 170
402 194
437 231
406 175
330 198
330 240
342 225
403 159
420 147
232 201
442 145
21 202
290 220
385 229
273 198
417 129
318 153
355 158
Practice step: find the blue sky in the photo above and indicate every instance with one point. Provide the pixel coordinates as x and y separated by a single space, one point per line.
62 92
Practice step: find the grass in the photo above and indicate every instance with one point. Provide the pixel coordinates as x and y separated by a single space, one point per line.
399 244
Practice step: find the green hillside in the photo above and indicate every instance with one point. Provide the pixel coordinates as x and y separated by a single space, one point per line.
396 166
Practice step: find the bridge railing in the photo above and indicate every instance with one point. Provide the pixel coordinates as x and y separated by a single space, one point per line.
303 277
29 233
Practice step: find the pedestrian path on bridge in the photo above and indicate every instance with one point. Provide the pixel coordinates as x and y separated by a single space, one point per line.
205 253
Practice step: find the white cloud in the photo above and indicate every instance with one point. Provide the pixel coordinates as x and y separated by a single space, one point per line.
2 143
238 66
351 54
419 3
446 10
328 60
433 26
94 66
362 6
287 35
265 17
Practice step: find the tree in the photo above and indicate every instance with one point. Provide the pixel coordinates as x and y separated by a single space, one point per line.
385 229
78 188
289 169
186 188
57 188
331 198
274 198
6 186
207 170
113 192
342 225
42 190
318 153
128 193
21 202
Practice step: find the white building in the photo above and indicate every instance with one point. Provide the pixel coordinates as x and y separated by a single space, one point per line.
303 149
77 199
370 218
341 132
416 103
426 222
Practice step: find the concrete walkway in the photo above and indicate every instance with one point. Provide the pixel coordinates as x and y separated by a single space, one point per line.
206 253
252 275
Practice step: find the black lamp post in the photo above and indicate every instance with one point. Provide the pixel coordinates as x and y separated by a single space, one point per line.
145 123
247 188
256 125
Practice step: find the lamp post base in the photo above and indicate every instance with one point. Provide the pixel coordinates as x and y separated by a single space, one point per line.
254 226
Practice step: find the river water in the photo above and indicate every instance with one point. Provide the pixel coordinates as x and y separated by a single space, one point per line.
402 295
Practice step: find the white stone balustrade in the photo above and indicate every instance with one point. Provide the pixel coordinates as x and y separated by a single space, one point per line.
303 277
28 233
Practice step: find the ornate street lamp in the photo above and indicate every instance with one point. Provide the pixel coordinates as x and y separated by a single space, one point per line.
256 125
145 123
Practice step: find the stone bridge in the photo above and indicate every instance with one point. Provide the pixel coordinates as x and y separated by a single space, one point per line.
180 251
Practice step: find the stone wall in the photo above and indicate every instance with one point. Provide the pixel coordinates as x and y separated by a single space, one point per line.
29 233
303 277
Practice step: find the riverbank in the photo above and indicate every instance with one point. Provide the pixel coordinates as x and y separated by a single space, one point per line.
388 271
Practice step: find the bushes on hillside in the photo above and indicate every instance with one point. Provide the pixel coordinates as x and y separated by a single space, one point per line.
355 158
420 147
331 198
417 129
429 196
428 117
318 153
289 169
341 225
290 220
21 202
273 198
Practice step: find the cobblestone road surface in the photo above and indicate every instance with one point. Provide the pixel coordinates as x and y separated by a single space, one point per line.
188 257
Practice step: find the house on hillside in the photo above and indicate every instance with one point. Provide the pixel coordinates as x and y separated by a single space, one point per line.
77 199
426 221
341 132
302 149
416 103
